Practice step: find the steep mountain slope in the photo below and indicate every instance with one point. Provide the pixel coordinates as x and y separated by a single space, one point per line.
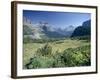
83 30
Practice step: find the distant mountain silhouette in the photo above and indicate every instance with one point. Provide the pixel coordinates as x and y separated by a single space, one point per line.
87 23
83 30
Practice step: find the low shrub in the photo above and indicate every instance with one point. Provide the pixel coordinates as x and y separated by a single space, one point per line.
70 57
46 50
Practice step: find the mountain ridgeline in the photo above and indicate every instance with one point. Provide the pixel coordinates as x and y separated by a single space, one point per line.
45 31
83 30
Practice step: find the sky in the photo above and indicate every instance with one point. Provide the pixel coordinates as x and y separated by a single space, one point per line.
57 19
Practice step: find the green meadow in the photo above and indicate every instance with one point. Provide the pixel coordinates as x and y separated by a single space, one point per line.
60 53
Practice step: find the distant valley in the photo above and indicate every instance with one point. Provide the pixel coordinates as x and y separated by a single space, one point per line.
45 31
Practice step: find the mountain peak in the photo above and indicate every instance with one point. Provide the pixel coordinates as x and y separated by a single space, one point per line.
83 30
87 23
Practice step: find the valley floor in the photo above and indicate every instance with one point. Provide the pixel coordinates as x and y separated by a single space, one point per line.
30 49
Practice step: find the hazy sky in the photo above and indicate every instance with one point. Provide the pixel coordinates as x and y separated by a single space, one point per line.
57 19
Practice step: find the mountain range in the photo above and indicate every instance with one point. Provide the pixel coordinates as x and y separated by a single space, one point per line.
45 31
